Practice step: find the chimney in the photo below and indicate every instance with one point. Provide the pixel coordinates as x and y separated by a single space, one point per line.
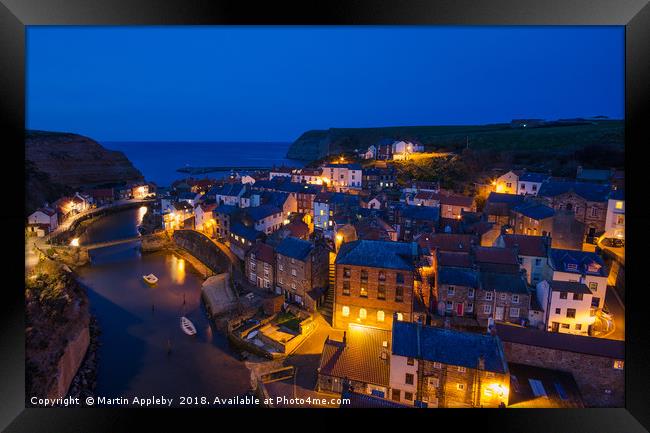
481 363
344 338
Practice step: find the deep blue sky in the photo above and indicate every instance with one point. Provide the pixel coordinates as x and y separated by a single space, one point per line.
273 83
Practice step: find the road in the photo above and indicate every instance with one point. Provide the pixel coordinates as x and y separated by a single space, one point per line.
306 360
618 312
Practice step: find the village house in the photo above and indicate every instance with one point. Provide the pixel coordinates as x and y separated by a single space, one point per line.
374 228
229 193
531 218
401 150
140 191
416 219
583 267
507 183
329 204
498 206
179 216
283 172
602 176
374 280
301 271
378 178
204 219
529 183
588 201
360 362
42 221
343 177
373 201
456 287
260 266
265 218
304 194
542 388
224 216
102 196
371 153
284 200
437 367
311 176
597 364
242 238
566 307
533 254
615 220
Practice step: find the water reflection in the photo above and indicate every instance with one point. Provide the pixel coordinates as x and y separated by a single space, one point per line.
141 213
176 268
140 323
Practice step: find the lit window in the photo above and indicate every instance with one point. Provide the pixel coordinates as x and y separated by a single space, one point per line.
345 311
380 316
515 299
362 313
462 369
619 205
460 386
437 365
618 364
400 316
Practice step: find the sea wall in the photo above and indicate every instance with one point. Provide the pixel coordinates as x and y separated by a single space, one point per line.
73 354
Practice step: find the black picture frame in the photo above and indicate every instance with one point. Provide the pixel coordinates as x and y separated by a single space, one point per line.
633 14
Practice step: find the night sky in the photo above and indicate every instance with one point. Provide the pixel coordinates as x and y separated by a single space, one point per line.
273 83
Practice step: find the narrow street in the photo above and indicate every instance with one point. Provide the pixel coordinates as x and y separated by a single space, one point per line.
618 312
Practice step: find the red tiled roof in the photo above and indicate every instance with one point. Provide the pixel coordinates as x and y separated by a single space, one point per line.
263 252
359 359
503 256
446 241
298 229
527 245
454 259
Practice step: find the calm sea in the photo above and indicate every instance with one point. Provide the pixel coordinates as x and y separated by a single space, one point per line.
158 161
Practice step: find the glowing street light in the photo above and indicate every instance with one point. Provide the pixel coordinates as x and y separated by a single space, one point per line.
74 242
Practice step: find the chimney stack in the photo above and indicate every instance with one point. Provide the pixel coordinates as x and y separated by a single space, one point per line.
344 337
481 363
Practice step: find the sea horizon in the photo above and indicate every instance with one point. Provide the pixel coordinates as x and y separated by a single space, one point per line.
159 160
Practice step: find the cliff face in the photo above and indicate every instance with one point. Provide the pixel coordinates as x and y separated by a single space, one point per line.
57 162
56 334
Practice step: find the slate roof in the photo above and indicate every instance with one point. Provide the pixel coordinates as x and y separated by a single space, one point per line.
425 213
567 342
457 276
533 246
294 248
448 346
353 166
378 254
504 256
533 177
228 189
47 211
359 358
617 194
500 204
226 209
560 259
593 174
560 388
446 241
588 191
569 287
247 233
534 210
258 213
182 205
504 282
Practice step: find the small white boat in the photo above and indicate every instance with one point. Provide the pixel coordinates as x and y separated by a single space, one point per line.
252 335
187 326
151 278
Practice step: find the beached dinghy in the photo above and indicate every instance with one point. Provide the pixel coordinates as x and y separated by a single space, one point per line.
151 278
187 326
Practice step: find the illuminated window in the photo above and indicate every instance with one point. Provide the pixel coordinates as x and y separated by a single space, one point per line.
618 364
362 313
462 369
460 386
619 205
400 316
345 311
363 292
380 316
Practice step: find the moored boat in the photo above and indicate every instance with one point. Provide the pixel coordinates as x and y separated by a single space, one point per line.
151 278
187 326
